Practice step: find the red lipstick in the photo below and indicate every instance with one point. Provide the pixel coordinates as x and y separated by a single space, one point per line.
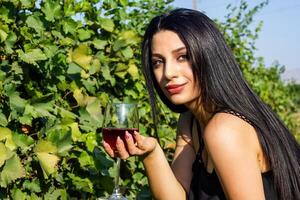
174 88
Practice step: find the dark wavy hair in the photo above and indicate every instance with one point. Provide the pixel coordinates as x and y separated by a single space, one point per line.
223 85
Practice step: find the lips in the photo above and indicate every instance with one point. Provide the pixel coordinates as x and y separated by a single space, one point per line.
174 88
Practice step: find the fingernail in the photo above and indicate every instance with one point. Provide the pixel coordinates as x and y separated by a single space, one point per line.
118 139
127 135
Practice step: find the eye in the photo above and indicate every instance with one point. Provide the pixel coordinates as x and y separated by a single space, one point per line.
157 62
183 57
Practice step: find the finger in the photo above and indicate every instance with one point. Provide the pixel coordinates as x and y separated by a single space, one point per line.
138 138
131 146
122 152
108 149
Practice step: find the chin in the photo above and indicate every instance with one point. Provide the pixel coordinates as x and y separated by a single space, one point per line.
178 101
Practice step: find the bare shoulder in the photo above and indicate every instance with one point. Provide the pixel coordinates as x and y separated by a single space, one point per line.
229 131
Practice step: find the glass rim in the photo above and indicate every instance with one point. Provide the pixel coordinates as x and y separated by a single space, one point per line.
124 103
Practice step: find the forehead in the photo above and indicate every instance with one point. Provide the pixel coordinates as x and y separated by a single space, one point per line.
166 40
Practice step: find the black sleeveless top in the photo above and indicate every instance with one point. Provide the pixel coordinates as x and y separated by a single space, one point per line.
206 186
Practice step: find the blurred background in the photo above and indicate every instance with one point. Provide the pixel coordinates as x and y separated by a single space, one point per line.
278 40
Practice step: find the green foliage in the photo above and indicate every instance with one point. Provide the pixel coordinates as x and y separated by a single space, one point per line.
61 62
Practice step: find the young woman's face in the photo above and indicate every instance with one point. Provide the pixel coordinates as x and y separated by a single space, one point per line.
172 68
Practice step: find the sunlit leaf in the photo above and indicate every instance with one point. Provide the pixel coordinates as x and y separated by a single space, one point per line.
5 154
84 34
18 194
3 119
44 146
48 162
11 171
107 24
32 56
3 35
76 134
51 9
133 71
62 139
22 140
127 52
6 135
33 21
81 56
99 44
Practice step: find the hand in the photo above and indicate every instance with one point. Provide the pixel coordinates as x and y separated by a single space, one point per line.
142 146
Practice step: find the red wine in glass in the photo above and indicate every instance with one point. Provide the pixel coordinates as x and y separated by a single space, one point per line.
110 135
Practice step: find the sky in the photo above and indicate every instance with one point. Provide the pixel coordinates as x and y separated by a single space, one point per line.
279 39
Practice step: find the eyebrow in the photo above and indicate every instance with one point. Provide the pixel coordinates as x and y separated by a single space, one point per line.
173 51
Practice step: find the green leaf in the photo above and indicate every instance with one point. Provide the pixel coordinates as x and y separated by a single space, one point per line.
22 140
107 24
81 184
80 97
18 194
85 160
84 34
50 50
27 3
127 52
74 69
45 152
32 55
121 70
99 44
133 71
106 74
123 2
33 21
69 26
76 134
10 42
52 10
119 44
91 141
3 35
11 171
95 67
81 56
44 146
61 139
3 119
48 162
6 135
66 115
94 108
33 185
5 154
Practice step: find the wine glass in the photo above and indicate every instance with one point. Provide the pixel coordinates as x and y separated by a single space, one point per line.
119 118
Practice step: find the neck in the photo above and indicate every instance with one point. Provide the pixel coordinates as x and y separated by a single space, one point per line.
198 110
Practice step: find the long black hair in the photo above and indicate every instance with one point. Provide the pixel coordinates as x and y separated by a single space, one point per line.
223 85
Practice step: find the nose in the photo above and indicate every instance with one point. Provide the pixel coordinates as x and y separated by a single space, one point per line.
170 70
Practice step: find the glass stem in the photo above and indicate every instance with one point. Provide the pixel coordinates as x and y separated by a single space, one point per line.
117 189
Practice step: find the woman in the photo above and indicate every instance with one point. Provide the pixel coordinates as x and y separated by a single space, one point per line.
230 145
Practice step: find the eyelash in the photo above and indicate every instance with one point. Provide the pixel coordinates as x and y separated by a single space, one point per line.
181 58
156 63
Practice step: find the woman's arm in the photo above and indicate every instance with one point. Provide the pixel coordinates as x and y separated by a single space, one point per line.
233 147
